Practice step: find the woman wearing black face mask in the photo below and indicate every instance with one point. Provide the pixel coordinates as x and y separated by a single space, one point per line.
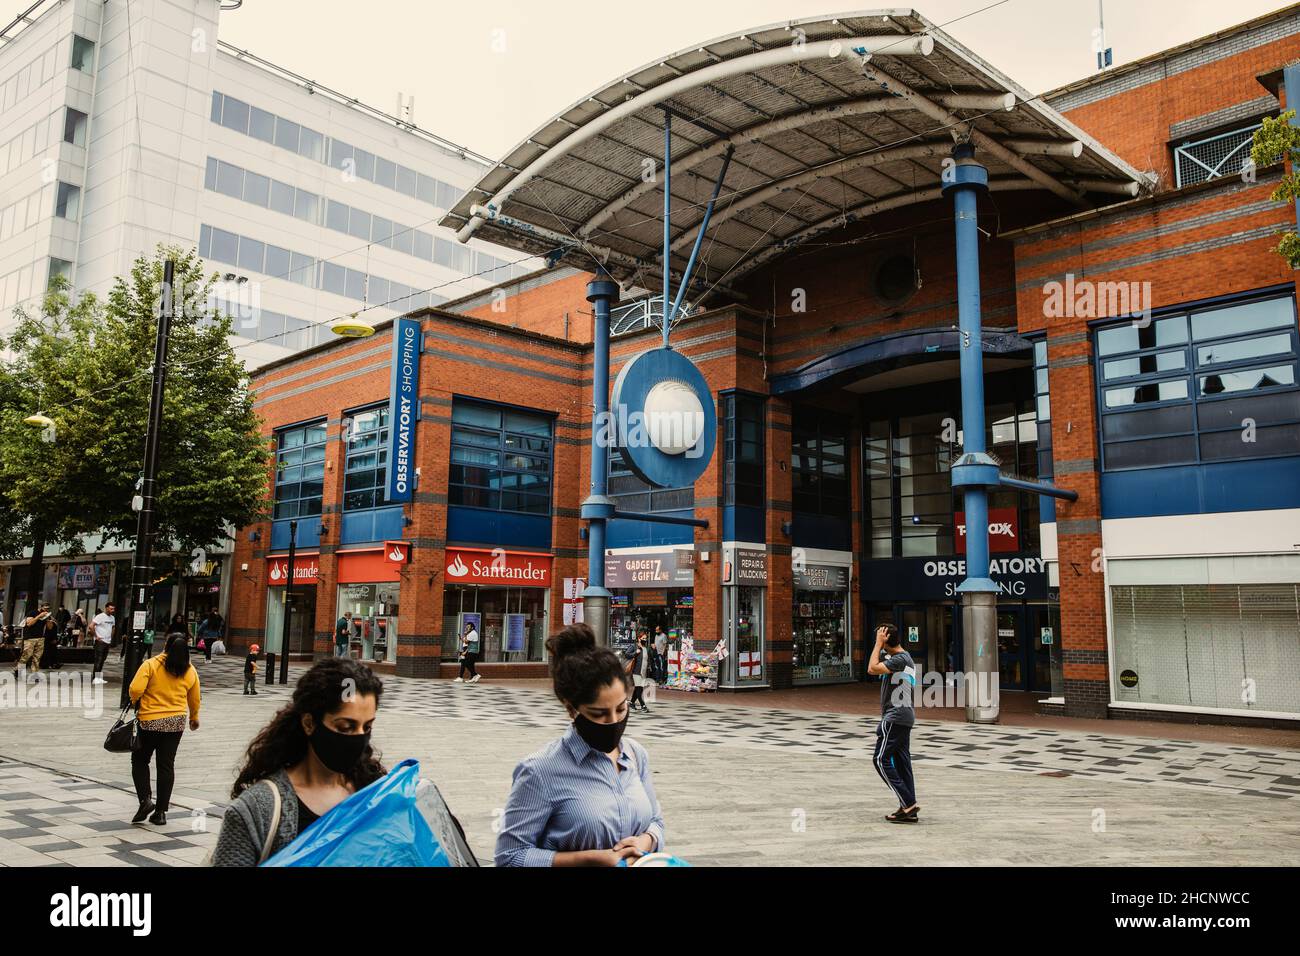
314 754
585 799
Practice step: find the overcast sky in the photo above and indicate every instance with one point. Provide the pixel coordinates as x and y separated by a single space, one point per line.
445 52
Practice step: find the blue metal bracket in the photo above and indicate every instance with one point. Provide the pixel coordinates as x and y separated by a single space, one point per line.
975 470
1037 488
699 241
661 519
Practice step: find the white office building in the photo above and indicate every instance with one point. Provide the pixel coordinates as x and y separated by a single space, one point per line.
125 125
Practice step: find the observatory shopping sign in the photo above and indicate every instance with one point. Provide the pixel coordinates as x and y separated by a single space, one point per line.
402 396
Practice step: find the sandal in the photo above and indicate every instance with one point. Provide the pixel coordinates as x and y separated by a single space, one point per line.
903 816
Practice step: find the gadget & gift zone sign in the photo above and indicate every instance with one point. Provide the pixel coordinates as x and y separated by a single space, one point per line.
520 568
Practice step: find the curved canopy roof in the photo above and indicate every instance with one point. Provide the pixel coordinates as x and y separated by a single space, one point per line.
828 121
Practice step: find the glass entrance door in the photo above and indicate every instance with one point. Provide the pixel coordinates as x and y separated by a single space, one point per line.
1013 662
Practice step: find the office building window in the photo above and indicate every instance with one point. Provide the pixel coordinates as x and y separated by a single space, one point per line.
67 203
500 458
366 470
744 451
83 54
59 269
819 465
74 127
299 470
1210 384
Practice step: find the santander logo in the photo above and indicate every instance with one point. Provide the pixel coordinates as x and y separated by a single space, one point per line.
276 573
397 554
498 566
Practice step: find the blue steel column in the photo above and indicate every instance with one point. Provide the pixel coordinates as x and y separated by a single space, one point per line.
974 471
598 508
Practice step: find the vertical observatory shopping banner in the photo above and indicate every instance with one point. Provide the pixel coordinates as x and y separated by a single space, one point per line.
402 405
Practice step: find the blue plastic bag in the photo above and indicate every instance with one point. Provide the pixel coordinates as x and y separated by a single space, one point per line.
380 825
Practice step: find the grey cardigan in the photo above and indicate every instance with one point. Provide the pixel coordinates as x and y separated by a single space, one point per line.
244 827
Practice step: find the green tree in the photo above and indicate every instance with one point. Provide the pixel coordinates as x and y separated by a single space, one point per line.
86 364
1275 140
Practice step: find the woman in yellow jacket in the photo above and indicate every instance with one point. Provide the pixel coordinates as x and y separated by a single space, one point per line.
164 688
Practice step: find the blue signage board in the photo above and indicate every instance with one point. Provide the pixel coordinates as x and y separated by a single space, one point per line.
514 633
402 395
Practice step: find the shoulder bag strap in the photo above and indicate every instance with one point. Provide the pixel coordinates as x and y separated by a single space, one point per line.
275 823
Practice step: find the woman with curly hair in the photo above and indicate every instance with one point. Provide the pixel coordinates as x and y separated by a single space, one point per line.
313 755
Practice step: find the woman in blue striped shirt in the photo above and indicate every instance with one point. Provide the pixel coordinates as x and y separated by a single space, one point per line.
585 799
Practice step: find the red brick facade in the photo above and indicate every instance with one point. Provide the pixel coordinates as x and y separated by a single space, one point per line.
528 344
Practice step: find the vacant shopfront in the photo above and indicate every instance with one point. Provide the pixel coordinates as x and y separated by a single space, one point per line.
302 603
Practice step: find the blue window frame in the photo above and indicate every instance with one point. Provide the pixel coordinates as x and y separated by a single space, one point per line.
299 470
631 493
365 470
744 452
500 458
1218 383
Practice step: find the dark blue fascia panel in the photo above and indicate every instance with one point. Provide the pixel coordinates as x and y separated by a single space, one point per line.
372 525
890 351
744 523
622 533
503 528
1261 485
821 531
308 533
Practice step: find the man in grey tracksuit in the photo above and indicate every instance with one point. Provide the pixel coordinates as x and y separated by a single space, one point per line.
893 758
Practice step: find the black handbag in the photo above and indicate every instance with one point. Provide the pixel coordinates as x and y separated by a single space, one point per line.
124 737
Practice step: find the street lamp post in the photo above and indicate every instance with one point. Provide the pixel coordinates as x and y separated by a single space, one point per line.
142 564
288 600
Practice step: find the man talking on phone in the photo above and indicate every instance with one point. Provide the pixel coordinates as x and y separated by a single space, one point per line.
893 759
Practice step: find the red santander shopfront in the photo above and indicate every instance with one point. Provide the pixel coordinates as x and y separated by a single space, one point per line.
505 594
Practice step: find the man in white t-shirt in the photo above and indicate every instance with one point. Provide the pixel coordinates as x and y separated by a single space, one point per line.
103 624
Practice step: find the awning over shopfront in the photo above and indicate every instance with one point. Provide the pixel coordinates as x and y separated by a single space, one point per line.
825 121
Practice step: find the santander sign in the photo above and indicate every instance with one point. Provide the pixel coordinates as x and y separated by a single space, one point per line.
498 566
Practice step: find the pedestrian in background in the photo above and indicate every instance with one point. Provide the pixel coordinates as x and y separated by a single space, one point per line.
211 630
469 646
893 756
585 799
641 671
661 655
163 690
35 629
313 755
79 627
250 671
342 634
102 626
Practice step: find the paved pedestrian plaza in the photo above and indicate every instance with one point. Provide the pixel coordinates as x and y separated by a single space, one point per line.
740 785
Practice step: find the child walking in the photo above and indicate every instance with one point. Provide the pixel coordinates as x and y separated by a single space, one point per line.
250 671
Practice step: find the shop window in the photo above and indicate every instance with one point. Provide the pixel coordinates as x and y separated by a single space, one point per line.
744 453
299 470
1213 384
365 473
500 459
